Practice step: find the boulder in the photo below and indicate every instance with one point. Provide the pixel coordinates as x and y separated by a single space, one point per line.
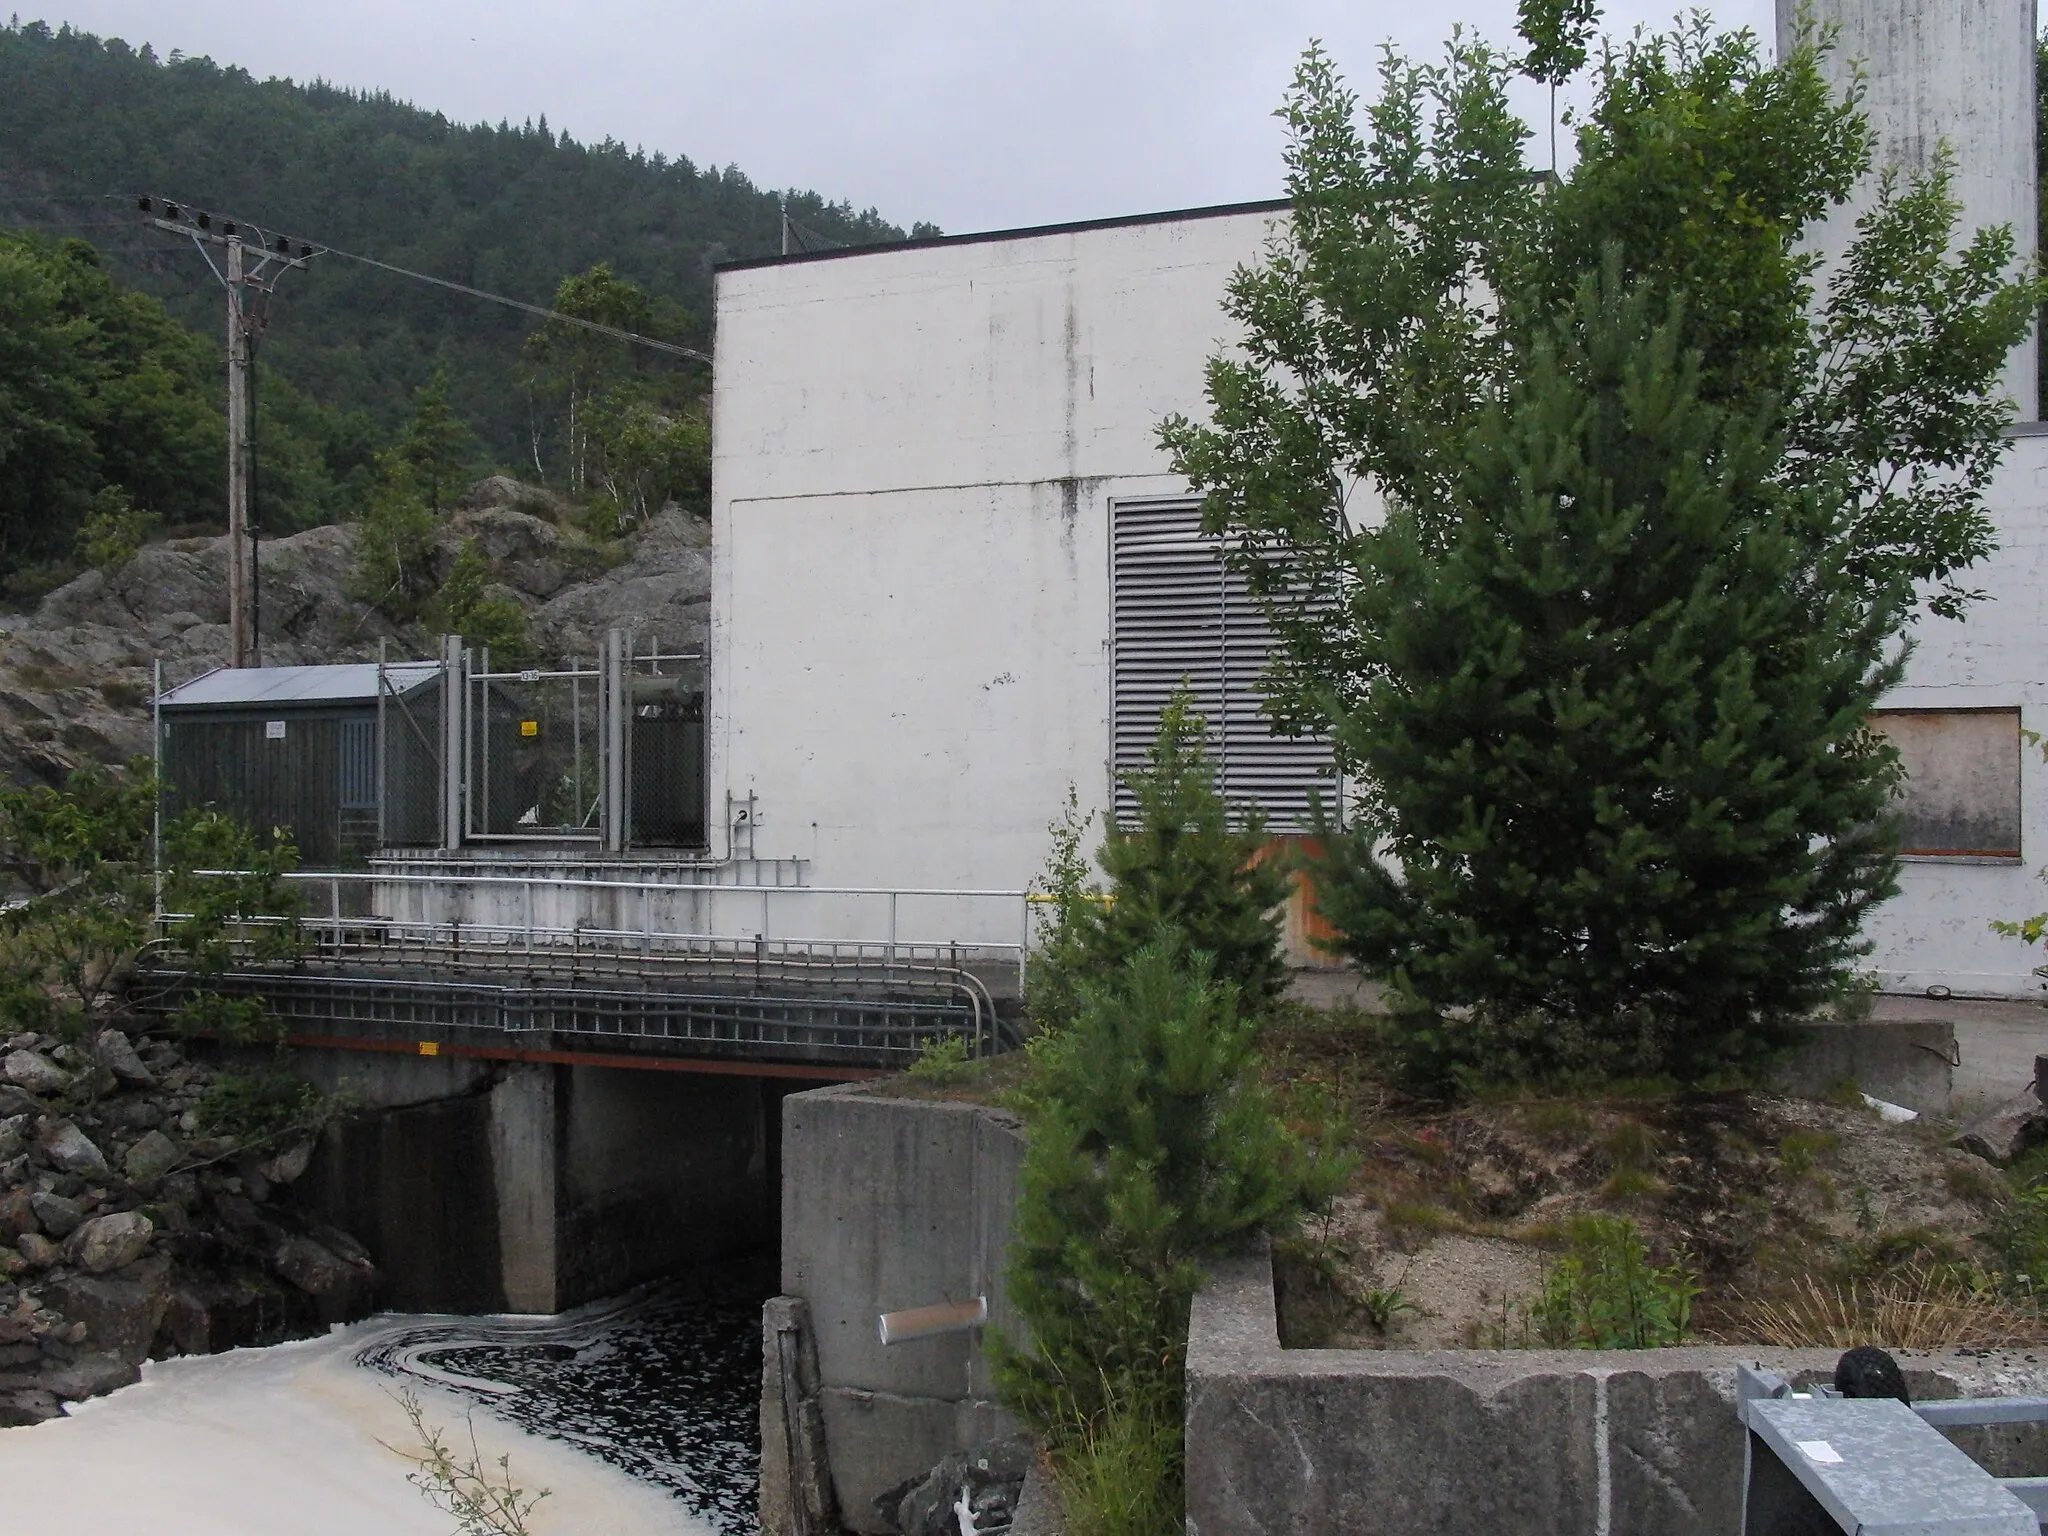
153 1156
289 1165
17 1214
122 1312
13 1137
2007 1131
89 1376
133 1112
338 1287
984 1481
36 1250
71 1150
116 1052
110 1242
18 1101
23 1406
33 1072
57 1216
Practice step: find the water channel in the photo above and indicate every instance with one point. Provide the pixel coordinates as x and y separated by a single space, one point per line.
640 1415
663 1383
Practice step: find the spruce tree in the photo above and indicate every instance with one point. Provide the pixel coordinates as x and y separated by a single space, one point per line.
1619 809
1153 1146
1183 869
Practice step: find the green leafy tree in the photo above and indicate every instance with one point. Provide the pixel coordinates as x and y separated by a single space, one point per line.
84 853
573 366
644 456
393 569
1153 1147
114 530
1377 440
1557 32
101 394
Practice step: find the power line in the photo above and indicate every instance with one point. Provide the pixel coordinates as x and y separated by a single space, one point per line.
532 309
184 213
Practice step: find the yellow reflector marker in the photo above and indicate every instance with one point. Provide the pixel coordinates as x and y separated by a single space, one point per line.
529 727
430 1047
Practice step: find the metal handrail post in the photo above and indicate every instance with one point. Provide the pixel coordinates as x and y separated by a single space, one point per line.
1024 949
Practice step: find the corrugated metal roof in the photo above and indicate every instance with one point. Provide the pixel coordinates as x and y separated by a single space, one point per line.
337 684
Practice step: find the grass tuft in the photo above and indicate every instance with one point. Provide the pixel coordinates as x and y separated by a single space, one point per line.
1918 1307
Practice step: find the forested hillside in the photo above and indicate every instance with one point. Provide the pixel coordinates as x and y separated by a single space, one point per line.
86 123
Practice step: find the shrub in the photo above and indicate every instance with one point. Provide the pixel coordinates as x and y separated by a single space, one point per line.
1606 1294
466 607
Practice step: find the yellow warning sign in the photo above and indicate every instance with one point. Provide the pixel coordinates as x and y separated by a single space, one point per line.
430 1047
529 727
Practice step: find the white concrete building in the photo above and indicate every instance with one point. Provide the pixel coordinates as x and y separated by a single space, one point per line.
927 461
953 575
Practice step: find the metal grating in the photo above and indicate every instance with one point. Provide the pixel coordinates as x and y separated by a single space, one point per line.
738 1023
1179 613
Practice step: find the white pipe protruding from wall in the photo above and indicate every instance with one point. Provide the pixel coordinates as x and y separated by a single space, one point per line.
1959 72
929 1322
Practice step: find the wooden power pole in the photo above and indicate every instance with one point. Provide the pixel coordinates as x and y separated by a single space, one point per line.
254 263
239 625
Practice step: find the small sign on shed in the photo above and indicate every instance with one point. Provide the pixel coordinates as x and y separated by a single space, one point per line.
273 730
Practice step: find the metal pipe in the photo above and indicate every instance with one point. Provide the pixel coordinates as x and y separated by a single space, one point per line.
382 835
156 813
930 1322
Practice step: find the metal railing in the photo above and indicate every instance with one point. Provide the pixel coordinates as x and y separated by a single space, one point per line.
353 922
719 956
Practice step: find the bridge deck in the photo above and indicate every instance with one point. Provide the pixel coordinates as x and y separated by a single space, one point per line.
833 1018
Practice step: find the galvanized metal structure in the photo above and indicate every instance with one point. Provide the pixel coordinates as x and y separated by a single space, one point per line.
1875 1465
737 987
359 757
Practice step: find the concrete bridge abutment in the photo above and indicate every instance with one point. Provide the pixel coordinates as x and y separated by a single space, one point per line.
535 1186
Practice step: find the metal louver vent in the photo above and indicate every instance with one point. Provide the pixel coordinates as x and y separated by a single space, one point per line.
1179 613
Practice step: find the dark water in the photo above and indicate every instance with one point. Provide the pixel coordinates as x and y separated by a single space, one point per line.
663 1383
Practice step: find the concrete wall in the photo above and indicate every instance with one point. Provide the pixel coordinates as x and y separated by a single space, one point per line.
1937 932
1492 1443
915 459
532 1187
1935 71
912 471
889 1204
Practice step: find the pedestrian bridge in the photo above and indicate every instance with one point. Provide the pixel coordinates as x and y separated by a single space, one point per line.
767 979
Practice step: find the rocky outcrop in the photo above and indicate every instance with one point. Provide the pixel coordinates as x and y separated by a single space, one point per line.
75 674
128 1233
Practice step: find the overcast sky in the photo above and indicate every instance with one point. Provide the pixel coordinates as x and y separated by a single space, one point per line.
974 116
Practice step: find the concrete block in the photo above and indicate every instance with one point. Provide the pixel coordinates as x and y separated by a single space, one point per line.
796 1478
1514 1442
1907 1061
889 1204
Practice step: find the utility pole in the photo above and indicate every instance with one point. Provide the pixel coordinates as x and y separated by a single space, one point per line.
239 553
254 263
785 223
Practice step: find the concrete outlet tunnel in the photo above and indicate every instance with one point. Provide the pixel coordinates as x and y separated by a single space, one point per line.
484 1185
